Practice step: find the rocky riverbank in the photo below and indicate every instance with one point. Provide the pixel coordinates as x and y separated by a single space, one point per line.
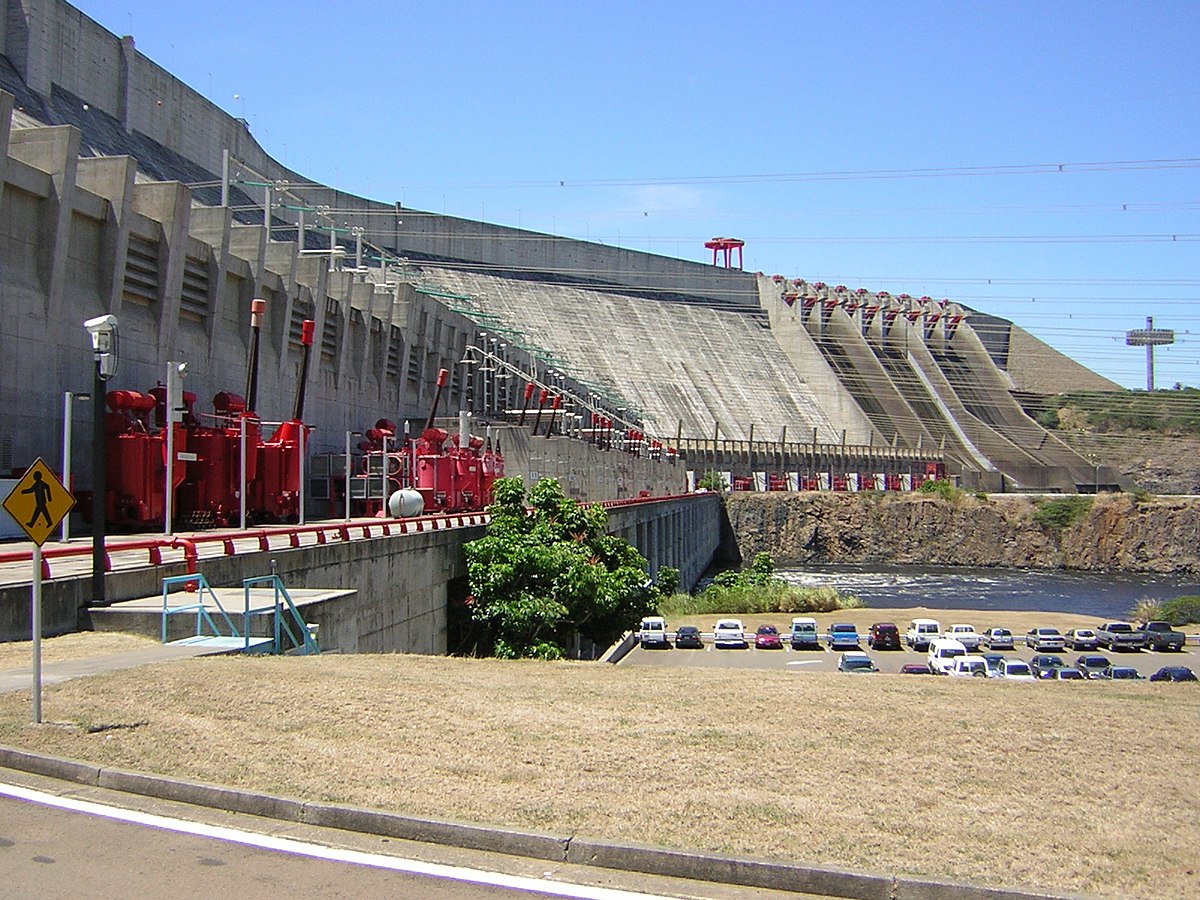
1117 532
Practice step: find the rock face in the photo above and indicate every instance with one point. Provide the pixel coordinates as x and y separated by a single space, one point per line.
1117 532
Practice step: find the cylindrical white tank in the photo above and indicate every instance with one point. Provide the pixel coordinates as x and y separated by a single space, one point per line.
405 503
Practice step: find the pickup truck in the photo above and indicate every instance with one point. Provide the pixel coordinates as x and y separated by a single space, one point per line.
1161 636
965 635
1120 636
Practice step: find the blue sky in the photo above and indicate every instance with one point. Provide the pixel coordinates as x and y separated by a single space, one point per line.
658 125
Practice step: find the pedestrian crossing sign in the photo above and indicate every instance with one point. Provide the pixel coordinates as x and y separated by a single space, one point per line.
39 502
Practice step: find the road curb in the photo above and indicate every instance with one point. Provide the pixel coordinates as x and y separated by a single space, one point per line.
533 845
812 879
732 870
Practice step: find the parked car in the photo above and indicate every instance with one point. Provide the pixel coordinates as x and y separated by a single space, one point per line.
921 632
1016 670
1121 673
1066 673
1045 639
804 634
1092 665
687 637
998 639
653 632
843 635
729 633
1174 673
965 635
969 666
995 662
915 669
767 638
1116 636
1081 639
856 661
884 636
1161 636
1044 664
942 653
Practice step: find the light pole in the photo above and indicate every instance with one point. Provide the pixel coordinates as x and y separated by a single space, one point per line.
346 483
68 396
175 373
106 351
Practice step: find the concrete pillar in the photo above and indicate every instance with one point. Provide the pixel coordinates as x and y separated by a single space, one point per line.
55 151
112 178
212 226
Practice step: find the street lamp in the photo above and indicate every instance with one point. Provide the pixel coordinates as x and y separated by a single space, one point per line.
106 352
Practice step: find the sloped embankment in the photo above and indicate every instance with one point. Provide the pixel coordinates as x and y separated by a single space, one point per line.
1114 533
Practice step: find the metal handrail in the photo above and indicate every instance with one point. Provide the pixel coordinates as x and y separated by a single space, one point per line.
201 585
280 623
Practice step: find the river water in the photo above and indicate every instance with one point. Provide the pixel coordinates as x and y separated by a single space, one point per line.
1106 596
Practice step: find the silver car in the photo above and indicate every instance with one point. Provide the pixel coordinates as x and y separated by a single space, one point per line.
998 639
1045 639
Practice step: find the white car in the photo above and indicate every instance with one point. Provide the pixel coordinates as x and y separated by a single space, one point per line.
729 633
1016 670
965 635
969 666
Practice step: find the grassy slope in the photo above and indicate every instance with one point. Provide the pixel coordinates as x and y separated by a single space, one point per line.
1004 783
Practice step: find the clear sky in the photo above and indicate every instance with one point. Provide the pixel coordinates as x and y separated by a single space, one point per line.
894 146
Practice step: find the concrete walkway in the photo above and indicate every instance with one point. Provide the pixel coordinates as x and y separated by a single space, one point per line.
21 679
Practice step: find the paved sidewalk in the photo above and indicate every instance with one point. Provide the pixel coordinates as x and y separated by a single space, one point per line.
21 679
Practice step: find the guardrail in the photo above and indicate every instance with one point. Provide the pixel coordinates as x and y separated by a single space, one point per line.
359 529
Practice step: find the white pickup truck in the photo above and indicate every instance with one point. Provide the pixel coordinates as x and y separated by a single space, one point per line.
965 635
653 632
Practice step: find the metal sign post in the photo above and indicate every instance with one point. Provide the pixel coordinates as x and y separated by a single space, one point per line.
38 503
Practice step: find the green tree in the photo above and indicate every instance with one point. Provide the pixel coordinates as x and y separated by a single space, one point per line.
543 574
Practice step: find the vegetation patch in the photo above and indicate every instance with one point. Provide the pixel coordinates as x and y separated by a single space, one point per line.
1175 411
754 591
1177 610
1061 513
549 572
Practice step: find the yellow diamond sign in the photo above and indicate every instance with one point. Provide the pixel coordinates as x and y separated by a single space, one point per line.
39 502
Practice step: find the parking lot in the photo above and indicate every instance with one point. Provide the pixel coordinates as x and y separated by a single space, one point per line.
887 661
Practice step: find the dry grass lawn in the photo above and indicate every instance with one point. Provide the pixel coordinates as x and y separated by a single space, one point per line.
982 781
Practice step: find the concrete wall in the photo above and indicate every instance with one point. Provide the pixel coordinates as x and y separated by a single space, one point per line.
402 583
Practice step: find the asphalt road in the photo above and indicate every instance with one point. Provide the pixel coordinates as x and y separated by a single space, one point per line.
59 840
888 661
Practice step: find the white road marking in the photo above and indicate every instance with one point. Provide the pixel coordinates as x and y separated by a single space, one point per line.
317 851
804 662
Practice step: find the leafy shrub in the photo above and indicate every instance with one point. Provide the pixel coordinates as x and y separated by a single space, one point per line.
667 580
713 481
941 487
1181 610
777 597
1061 512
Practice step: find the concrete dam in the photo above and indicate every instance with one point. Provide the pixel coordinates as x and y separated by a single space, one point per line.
126 192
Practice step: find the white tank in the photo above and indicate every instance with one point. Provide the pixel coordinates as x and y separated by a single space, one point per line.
405 503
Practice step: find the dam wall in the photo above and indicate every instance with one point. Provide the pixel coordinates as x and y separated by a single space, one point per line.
402 584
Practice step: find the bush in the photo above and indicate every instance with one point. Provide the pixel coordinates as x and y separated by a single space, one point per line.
1146 610
1061 512
777 597
713 481
1181 610
667 580
941 487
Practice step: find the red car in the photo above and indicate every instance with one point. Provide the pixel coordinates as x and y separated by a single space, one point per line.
767 638
883 636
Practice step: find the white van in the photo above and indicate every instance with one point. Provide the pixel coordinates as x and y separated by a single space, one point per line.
729 633
921 632
942 653
804 634
653 632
